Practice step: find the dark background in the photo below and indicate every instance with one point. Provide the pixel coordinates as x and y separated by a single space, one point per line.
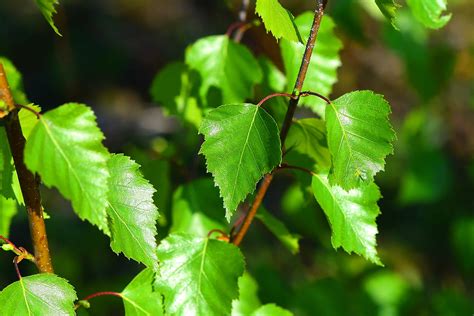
107 58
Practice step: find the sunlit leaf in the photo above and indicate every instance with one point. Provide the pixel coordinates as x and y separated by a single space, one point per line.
140 299
15 81
225 65
65 149
277 20
131 210
241 145
351 215
278 228
322 71
430 12
271 310
48 9
248 300
6 166
359 137
198 276
39 294
8 209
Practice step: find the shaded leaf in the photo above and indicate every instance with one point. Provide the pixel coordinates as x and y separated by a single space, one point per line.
271 310
359 137
248 300
351 215
6 166
277 20
139 298
322 71
198 276
131 210
47 8
8 209
389 9
65 149
39 294
430 12
226 65
241 145
197 208
278 228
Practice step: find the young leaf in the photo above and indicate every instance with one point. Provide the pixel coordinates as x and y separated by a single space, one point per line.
359 137
351 215
65 149
47 8
388 9
39 294
173 89
15 81
322 71
278 228
241 145
197 208
7 211
277 20
271 310
139 298
226 65
198 276
131 210
430 12
248 300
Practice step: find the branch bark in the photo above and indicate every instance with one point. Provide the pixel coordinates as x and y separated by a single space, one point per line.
318 14
29 183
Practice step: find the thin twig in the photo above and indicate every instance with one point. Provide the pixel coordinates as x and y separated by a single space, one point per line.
105 293
29 183
322 97
318 14
15 263
37 114
21 252
242 18
289 95
287 166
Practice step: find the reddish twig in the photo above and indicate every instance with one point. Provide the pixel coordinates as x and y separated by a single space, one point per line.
287 166
15 263
105 293
308 93
38 115
242 18
21 252
216 230
29 183
268 97
318 14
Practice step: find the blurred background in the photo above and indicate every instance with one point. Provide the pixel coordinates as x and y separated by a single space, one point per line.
107 58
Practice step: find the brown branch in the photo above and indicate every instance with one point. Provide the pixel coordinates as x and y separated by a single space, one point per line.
242 18
29 183
318 14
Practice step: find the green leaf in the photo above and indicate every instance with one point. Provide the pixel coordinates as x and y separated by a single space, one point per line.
241 145
388 9
278 228
322 71
131 210
248 300
225 65
307 137
359 137
6 166
28 120
139 298
47 8
197 208
198 276
65 149
173 89
351 215
271 310
7 211
15 81
277 20
39 294
430 12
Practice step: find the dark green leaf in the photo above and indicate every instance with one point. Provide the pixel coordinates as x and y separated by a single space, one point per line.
226 65
359 137
131 210
48 9
389 9
198 276
140 299
277 20
322 71
241 145
7 211
40 294
278 228
351 215
197 208
430 12
65 149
